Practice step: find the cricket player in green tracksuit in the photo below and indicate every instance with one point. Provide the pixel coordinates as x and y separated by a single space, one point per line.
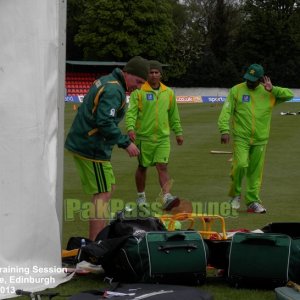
249 106
151 115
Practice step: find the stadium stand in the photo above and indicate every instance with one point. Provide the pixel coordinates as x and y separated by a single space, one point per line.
78 83
81 74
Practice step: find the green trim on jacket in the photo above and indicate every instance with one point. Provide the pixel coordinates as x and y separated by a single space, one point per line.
95 130
152 114
250 112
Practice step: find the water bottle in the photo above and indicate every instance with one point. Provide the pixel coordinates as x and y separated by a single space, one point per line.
82 243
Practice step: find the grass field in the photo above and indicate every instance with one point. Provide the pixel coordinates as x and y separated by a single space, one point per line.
200 176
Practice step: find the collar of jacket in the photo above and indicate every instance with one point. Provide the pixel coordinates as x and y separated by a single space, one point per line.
147 87
118 74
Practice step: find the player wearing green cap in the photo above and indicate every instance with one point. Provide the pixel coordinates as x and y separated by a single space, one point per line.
247 113
95 131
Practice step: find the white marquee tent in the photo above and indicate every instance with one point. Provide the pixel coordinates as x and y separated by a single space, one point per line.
32 69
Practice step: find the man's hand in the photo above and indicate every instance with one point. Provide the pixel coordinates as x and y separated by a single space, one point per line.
179 139
132 150
267 83
225 138
131 134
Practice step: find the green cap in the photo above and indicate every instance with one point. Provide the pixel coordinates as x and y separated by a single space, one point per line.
137 66
254 73
154 64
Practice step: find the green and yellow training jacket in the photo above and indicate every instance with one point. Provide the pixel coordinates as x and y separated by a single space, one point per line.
248 112
152 114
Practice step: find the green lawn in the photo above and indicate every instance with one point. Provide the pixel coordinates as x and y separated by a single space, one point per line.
200 176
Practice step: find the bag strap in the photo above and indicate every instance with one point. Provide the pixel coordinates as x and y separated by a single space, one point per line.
112 286
104 247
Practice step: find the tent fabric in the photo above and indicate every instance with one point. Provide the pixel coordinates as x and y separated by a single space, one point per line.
30 246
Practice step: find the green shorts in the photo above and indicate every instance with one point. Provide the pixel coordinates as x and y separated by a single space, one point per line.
153 153
96 177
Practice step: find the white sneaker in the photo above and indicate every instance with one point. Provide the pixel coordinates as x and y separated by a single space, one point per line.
236 202
256 207
140 200
170 201
86 266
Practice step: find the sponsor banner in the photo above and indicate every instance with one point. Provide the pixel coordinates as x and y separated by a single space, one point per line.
213 99
188 99
179 99
295 100
74 99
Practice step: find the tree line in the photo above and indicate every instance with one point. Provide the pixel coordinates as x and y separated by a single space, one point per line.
206 43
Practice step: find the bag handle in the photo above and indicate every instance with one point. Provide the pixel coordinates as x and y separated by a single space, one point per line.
260 240
166 248
178 236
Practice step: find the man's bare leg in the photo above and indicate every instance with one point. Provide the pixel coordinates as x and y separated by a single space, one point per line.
140 179
168 200
163 177
97 224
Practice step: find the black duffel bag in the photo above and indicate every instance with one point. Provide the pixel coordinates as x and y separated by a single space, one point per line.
113 236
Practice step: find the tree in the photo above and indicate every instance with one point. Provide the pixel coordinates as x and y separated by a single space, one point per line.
212 25
118 30
74 12
204 42
187 43
269 35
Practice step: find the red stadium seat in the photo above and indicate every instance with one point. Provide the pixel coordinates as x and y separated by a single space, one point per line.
78 83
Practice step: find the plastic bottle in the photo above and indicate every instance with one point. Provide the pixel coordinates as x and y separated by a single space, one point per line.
82 243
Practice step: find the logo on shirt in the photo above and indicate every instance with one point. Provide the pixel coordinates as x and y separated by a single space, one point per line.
246 98
98 83
149 96
112 112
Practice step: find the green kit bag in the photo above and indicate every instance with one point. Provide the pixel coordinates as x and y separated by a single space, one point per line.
162 257
178 257
291 229
259 260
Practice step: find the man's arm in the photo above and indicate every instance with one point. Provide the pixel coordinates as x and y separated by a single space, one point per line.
280 94
174 118
131 114
132 150
110 102
225 117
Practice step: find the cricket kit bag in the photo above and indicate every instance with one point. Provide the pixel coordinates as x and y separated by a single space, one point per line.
138 291
291 229
161 257
128 226
259 260
109 241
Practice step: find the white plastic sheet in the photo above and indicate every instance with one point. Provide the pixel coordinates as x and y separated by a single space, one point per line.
30 95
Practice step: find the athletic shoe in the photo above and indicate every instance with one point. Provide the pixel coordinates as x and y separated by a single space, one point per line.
170 202
235 202
256 207
141 200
